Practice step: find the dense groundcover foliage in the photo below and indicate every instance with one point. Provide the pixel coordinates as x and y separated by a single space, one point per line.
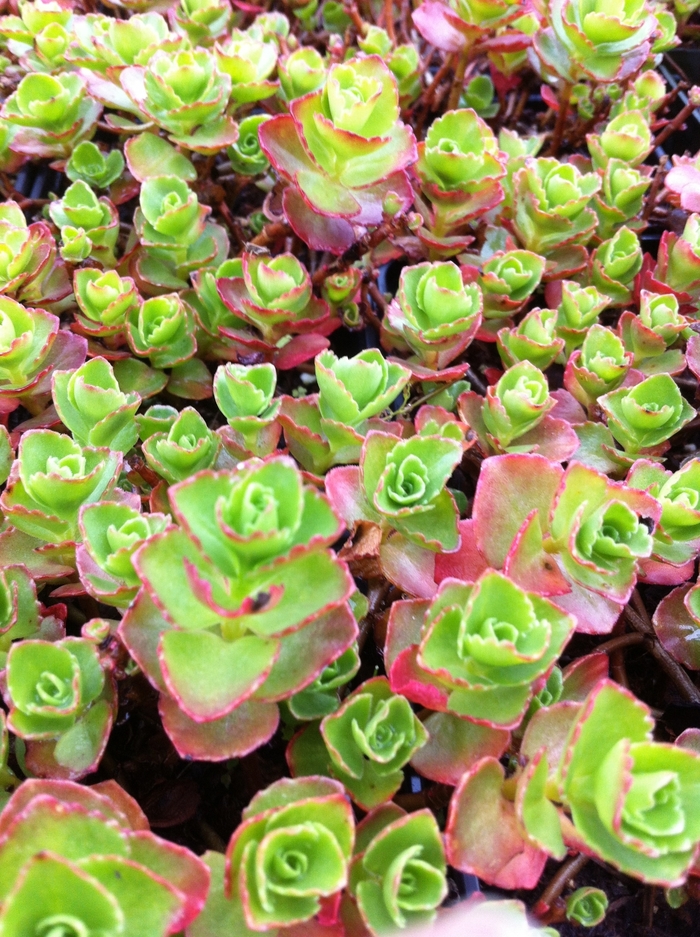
350 508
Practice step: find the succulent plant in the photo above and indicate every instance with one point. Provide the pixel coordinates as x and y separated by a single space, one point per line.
83 858
367 742
51 479
349 174
61 703
94 409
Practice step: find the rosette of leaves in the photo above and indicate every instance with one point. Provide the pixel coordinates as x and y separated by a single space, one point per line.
459 167
51 479
188 447
111 533
599 366
352 391
81 209
400 485
83 859
28 270
534 339
202 21
274 295
507 280
586 906
642 418
321 697
578 309
245 155
615 264
105 299
104 41
511 416
90 165
678 259
91 405
478 651
397 875
630 799
301 72
587 39
284 862
250 605
169 214
244 394
364 744
677 535
51 113
650 335
61 703
626 137
574 535
249 61
620 198
435 315
31 346
184 93
342 177
551 205
161 329
480 95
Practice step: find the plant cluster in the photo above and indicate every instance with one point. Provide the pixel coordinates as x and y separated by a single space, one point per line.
348 446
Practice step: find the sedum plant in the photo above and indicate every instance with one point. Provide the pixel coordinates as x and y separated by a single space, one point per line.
477 651
435 314
61 704
94 409
185 93
289 855
51 113
244 394
51 479
643 417
110 535
364 744
242 584
630 798
83 858
187 447
400 486
344 178
397 875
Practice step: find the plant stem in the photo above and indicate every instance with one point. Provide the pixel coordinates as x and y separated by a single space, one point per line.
562 114
569 869
677 121
458 80
639 619
389 20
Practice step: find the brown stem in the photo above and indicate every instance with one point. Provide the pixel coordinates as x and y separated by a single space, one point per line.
656 184
458 80
570 869
638 617
562 114
677 121
623 641
429 93
389 20
270 233
374 292
357 21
